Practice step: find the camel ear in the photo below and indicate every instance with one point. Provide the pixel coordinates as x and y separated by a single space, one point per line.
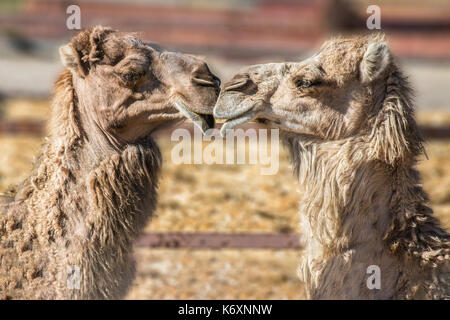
375 61
85 50
96 40
69 57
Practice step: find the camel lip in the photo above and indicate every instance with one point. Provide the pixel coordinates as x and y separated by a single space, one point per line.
202 121
237 116
235 121
223 112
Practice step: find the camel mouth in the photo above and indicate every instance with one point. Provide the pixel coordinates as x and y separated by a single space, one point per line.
209 119
231 104
235 109
235 121
202 121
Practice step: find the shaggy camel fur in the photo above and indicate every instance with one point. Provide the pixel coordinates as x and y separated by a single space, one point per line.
346 116
94 186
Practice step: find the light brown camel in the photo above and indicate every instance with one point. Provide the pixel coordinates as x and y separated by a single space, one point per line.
69 231
346 116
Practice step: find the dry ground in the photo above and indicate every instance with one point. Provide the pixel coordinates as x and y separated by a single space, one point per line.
225 198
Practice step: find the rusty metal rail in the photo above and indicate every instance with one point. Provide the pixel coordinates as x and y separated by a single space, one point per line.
34 127
178 240
436 132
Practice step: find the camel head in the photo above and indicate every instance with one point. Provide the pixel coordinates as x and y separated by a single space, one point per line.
128 88
351 87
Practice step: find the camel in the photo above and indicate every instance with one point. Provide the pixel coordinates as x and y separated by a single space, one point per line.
69 230
347 118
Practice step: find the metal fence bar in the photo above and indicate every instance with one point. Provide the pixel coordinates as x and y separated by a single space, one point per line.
33 127
436 132
178 240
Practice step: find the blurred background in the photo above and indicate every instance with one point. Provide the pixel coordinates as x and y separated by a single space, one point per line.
221 198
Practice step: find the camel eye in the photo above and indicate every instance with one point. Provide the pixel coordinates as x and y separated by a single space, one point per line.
305 83
131 76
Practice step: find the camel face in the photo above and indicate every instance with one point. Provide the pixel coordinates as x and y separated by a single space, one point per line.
129 88
324 96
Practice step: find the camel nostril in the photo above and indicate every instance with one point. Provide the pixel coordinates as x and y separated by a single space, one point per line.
242 84
208 81
203 82
235 85
236 82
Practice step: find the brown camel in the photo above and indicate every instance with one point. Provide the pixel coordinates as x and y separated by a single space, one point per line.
347 118
69 231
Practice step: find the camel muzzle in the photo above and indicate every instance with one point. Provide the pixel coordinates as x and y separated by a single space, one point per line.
235 108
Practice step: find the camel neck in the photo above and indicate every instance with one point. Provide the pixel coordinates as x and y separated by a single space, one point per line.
81 186
72 173
344 200
91 218
344 214
79 220
357 214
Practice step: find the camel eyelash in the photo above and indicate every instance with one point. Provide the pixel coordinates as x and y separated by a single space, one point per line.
130 76
306 83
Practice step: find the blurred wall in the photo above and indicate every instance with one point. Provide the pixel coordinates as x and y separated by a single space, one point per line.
229 33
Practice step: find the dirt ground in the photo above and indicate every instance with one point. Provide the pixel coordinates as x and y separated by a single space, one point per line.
222 198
